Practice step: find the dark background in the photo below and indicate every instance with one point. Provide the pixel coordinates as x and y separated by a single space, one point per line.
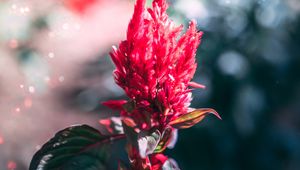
249 59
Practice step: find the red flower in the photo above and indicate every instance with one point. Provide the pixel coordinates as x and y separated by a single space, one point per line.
154 67
79 6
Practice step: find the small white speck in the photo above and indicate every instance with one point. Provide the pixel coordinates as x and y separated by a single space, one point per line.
31 89
56 144
22 10
21 86
171 77
14 6
51 55
65 26
26 9
17 109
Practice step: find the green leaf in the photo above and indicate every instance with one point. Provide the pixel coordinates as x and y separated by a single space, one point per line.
79 147
165 140
192 118
131 134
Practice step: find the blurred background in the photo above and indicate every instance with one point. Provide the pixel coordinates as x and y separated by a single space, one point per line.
55 72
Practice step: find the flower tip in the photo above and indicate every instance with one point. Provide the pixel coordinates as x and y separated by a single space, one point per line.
114 48
214 112
196 85
193 26
193 23
140 3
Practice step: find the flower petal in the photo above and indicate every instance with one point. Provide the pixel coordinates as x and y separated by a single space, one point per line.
196 85
192 118
115 104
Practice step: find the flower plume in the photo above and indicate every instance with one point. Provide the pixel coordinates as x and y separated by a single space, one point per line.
154 65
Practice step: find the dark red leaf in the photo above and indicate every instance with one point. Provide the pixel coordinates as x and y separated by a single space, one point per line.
112 125
192 118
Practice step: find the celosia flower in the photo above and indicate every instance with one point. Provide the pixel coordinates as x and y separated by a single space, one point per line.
155 67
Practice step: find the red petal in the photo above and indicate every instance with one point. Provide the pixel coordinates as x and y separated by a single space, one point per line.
115 104
196 85
136 21
157 161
